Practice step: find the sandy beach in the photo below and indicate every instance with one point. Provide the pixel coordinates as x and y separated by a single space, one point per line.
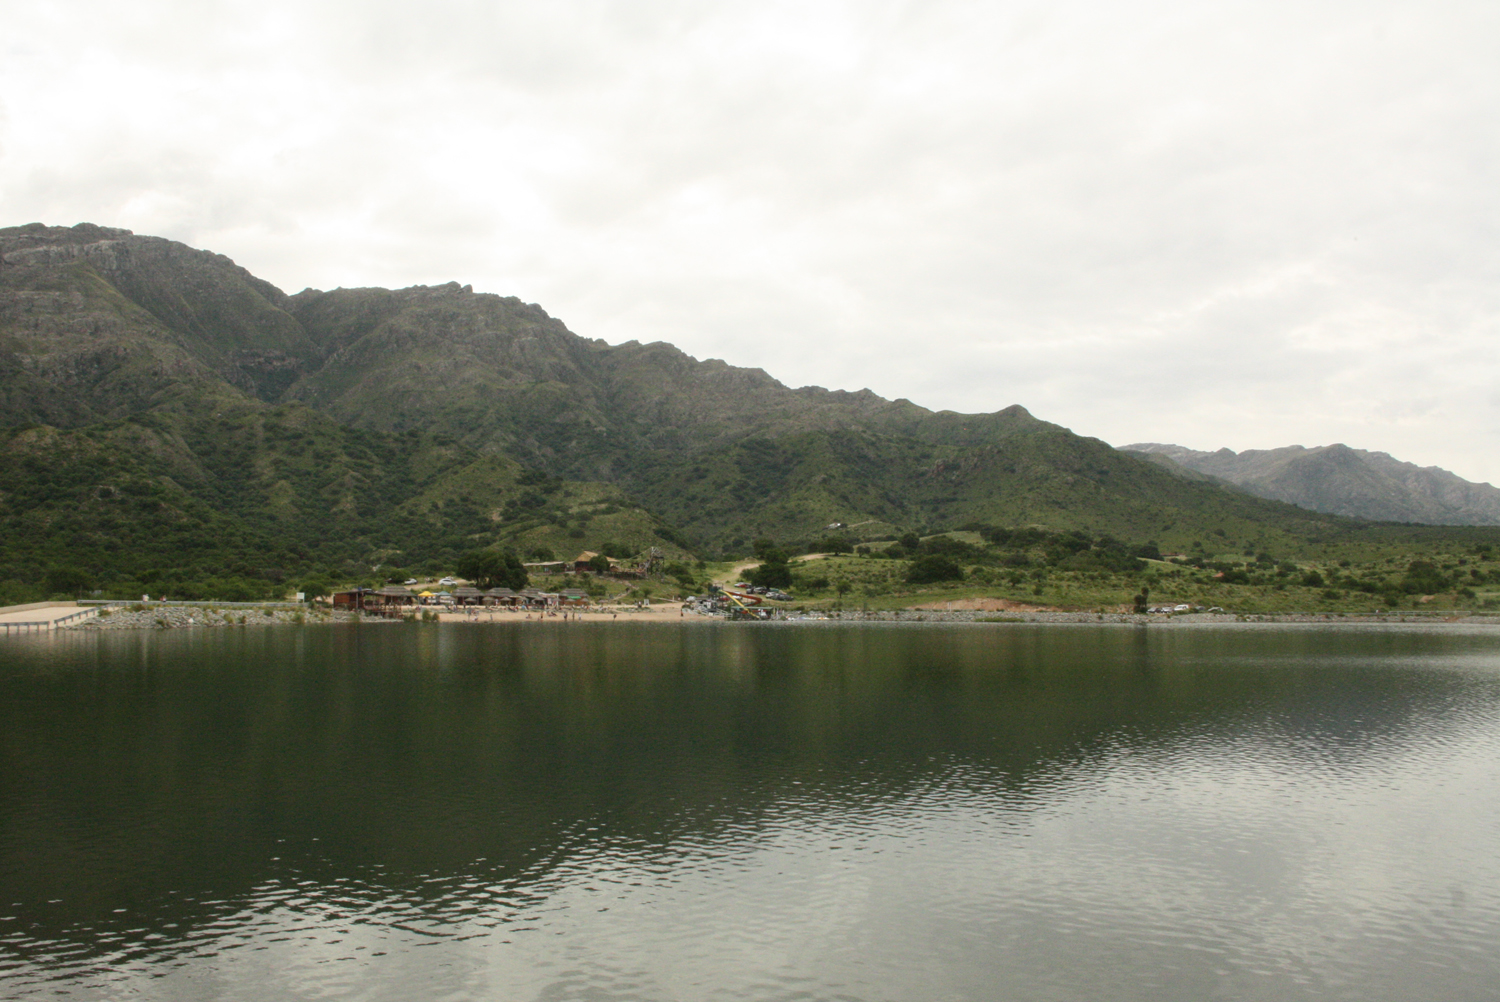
659 613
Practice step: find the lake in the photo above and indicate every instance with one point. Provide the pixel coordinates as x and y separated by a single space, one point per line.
751 811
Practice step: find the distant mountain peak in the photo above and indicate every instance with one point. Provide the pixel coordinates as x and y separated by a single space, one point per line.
1342 480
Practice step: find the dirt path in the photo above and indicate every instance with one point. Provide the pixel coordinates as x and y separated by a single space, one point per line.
737 572
734 573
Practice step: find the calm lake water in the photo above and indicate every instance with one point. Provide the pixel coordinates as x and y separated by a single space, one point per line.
751 812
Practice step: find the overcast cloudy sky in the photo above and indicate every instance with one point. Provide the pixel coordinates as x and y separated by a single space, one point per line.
1241 224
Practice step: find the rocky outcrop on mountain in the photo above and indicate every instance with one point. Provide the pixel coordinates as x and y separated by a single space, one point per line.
85 301
1342 481
495 372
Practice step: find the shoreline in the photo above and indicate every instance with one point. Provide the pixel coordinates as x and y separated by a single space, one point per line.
209 617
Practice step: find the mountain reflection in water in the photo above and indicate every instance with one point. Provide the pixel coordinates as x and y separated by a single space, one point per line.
757 812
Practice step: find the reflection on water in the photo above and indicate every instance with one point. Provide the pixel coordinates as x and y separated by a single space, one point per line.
644 812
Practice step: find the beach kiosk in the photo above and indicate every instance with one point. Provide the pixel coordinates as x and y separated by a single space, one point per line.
466 595
391 600
501 596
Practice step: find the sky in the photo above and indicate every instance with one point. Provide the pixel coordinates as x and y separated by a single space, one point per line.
1231 224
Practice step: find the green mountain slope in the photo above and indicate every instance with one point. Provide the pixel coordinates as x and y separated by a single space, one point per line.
246 502
1025 472
726 454
135 368
278 437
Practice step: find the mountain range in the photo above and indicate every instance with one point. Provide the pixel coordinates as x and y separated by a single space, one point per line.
169 416
1340 480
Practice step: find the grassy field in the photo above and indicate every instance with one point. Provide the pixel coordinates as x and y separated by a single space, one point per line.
1444 582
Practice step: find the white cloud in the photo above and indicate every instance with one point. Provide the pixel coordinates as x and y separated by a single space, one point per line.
1237 224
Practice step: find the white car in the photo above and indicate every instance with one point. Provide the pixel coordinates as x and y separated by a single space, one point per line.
446 582
411 581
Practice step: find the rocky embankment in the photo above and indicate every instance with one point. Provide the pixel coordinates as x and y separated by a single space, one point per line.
179 616
1174 619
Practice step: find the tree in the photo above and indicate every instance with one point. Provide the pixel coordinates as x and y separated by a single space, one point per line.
315 588
768 552
771 574
599 563
493 569
66 581
924 570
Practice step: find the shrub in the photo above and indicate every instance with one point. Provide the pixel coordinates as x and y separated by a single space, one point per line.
1423 578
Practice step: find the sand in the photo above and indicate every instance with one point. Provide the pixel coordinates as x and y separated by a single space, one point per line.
658 613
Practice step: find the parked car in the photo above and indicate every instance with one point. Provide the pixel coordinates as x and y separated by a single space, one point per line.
777 595
411 581
448 582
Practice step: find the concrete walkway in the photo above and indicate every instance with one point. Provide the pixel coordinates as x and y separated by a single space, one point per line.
40 616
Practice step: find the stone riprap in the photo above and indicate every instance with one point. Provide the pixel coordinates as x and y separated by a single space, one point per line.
1175 619
179 616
